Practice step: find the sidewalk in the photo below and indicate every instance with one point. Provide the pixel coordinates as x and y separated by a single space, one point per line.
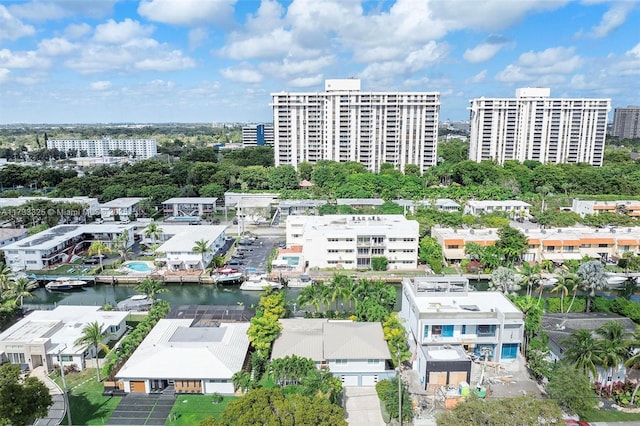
57 410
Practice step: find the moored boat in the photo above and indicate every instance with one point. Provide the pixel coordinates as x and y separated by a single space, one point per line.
259 283
227 276
138 302
65 284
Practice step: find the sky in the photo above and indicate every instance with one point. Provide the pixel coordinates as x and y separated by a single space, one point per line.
212 61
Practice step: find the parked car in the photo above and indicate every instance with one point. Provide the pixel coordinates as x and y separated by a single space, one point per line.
235 262
235 221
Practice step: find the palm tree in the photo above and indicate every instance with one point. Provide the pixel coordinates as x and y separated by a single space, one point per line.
613 347
311 296
562 289
153 231
92 337
151 288
122 245
504 280
99 248
202 248
544 191
5 277
634 361
582 352
593 278
19 289
530 275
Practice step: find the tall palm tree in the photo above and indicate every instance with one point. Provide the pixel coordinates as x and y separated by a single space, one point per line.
593 278
92 337
122 245
6 276
613 347
504 280
202 248
153 230
633 361
530 275
99 248
19 289
151 288
583 352
562 289
311 296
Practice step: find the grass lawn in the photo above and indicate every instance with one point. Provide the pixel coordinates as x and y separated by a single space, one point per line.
191 409
88 406
609 416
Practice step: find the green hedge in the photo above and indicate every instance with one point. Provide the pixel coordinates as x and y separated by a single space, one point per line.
552 304
618 306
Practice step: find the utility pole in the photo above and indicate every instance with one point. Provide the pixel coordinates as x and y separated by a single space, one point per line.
65 396
399 389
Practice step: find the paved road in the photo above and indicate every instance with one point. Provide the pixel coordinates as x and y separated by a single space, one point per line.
57 410
362 406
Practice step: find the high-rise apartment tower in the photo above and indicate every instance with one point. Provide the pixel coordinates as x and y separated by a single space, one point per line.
534 126
626 122
344 123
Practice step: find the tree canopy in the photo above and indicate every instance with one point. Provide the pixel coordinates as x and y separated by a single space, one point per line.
21 403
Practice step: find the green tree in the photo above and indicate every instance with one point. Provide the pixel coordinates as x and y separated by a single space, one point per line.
582 352
395 335
613 346
202 248
151 288
570 389
283 177
93 335
18 290
6 276
504 280
21 403
430 252
122 246
153 231
379 263
593 278
530 275
513 243
99 248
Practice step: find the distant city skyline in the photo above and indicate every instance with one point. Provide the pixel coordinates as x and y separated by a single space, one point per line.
212 61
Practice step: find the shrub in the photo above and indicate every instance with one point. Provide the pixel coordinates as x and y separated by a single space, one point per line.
379 263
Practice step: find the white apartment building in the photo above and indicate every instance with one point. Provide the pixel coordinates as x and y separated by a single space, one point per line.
350 241
344 123
446 322
257 135
178 250
137 148
585 207
626 122
513 208
189 207
534 126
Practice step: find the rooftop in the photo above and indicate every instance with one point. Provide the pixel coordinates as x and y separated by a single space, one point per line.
185 237
191 200
373 223
177 348
360 201
491 203
302 203
60 234
120 203
439 202
209 314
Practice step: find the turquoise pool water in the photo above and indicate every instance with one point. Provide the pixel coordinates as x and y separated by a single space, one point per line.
139 266
185 218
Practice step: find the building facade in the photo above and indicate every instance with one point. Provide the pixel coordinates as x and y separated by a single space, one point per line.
344 123
585 207
351 241
179 247
513 208
626 122
534 126
446 322
189 207
136 148
257 135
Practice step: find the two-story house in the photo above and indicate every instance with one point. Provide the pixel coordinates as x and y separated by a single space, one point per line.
448 325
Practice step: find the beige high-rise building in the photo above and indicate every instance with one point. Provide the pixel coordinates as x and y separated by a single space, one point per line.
534 126
626 122
344 123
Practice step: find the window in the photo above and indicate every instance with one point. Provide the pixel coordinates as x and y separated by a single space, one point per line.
16 358
373 361
447 331
436 330
464 329
66 358
340 362
509 351
426 332
603 245
486 330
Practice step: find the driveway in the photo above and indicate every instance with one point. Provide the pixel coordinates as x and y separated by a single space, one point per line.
140 409
57 410
362 406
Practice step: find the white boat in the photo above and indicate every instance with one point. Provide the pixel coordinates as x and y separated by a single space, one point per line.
615 280
65 284
549 281
227 276
138 302
301 282
258 283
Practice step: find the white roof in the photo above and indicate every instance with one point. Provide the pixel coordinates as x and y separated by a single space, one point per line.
174 349
185 237
492 203
360 201
191 200
388 224
60 234
63 325
122 202
439 202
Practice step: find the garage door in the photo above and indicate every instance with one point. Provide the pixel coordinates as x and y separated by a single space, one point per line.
369 380
455 377
138 386
437 379
349 380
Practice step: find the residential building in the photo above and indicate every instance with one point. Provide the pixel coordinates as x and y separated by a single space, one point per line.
300 207
534 126
344 123
120 208
62 243
351 241
91 205
559 327
189 207
356 352
442 204
178 249
585 207
513 208
446 322
11 235
252 207
47 338
626 122
188 356
257 135
137 148
555 244
360 203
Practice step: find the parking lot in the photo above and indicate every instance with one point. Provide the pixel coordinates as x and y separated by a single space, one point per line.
254 256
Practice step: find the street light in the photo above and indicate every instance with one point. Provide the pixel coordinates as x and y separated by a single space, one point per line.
65 397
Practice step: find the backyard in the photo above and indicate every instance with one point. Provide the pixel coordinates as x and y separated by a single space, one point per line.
188 410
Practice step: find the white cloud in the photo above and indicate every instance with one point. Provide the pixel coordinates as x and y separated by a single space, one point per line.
4 75
23 60
306 81
242 75
113 32
50 10
486 50
291 67
478 78
75 31
170 61
628 64
100 85
612 19
414 61
188 12
512 73
275 44
534 65
55 47
12 28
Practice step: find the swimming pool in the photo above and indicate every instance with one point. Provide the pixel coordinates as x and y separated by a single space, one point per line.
184 219
139 266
